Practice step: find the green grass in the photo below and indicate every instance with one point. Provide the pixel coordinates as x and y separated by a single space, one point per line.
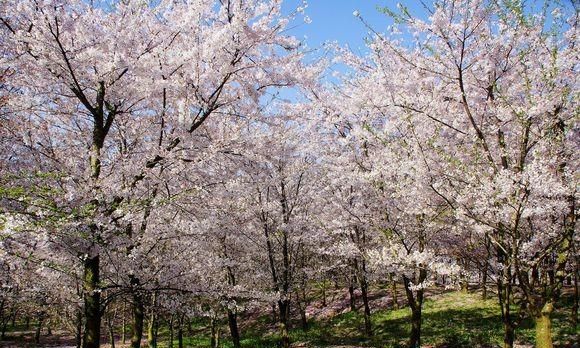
449 320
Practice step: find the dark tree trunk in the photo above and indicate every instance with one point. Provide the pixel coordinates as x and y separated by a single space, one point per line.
170 340
79 329
38 328
152 329
504 294
112 335
351 298
4 327
274 314
137 323
284 309
504 290
367 308
13 324
415 339
180 335
92 297
123 324
416 305
234 331
303 319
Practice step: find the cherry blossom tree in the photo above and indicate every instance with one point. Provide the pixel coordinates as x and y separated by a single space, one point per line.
91 79
478 113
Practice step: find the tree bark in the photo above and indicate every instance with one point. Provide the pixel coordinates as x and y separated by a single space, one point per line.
415 339
274 314
112 335
284 309
544 327
234 331
123 325
303 319
323 294
180 333
394 292
4 327
367 308
484 282
92 297
351 298
416 305
215 333
137 323
575 297
79 329
152 329
170 340
38 328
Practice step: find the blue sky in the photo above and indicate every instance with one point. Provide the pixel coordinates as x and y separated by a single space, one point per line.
334 20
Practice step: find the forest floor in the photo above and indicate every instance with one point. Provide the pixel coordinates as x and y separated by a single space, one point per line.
450 320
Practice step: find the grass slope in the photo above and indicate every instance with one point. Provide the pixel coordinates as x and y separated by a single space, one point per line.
449 320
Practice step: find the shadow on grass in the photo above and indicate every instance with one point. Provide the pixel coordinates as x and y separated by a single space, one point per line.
452 320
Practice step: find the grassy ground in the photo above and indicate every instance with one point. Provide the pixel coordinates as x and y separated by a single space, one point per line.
449 320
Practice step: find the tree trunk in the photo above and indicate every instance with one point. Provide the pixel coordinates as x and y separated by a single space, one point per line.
137 323
504 289
351 298
504 293
508 335
112 335
5 318
274 314
180 333
464 284
367 308
416 305
415 339
324 293
215 333
152 330
234 331
484 282
303 319
180 337
38 328
544 327
284 309
13 324
4 327
170 340
575 299
123 324
394 293
79 329
92 297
